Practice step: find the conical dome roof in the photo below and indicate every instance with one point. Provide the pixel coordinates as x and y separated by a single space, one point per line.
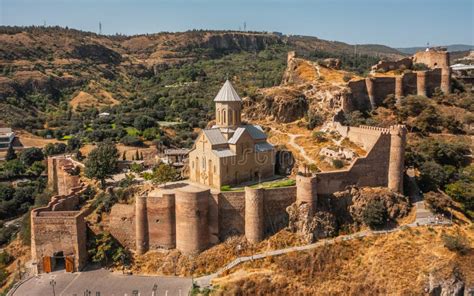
227 94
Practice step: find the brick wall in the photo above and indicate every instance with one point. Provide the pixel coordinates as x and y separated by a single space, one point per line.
231 214
122 224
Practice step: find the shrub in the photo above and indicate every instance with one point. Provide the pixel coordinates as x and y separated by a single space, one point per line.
437 201
456 243
314 120
54 149
104 202
432 176
375 214
337 163
5 258
420 67
131 141
225 188
319 136
104 249
347 77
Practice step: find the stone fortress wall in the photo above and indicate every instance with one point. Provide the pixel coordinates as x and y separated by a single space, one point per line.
59 227
192 221
370 92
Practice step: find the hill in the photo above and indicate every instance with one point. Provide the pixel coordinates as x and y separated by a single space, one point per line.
56 80
451 48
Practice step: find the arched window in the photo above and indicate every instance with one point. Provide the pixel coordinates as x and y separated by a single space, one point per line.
224 117
231 119
204 163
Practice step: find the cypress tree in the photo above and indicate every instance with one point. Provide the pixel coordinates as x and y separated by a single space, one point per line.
10 153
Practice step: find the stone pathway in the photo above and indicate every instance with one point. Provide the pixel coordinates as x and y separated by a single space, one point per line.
292 142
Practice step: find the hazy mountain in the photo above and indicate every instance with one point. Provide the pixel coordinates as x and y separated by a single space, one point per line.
452 47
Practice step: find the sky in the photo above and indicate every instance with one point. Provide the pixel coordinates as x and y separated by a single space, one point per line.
396 23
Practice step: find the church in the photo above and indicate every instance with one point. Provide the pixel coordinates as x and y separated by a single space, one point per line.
230 152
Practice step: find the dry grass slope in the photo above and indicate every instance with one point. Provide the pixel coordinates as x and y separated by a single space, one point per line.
395 264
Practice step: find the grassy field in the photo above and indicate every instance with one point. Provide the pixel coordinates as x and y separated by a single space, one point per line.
285 182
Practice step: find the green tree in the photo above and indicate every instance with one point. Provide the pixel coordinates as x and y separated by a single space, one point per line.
73 144
429 120
36 168
375 214
164 173
137 155
143 122
102 162
432 176
13 168
106 250
31 155
10 153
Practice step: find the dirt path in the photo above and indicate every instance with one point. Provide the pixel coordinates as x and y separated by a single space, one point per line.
292 142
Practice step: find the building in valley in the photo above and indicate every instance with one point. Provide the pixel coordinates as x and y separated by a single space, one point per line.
230 152
6 138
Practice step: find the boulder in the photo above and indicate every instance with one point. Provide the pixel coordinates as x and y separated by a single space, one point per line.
310 227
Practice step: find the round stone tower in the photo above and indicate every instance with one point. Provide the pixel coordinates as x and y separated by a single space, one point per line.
397 157
168 227
141 227
446 80
398 87
306 191
421 83
254 215
192 229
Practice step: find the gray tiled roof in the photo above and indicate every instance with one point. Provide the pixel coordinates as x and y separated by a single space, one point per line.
227 94
256 132
215 136
235 137
223 153
262 147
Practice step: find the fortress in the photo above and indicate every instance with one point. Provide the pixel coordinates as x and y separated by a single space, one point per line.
195 216
371 91
193 220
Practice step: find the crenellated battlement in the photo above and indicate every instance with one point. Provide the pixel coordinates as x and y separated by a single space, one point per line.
382 130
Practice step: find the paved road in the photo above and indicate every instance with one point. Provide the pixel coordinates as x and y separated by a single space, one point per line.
104 282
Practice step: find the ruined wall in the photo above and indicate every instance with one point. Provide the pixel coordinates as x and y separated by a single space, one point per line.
122 224
384 160
60 179
433 58
372 91
385 66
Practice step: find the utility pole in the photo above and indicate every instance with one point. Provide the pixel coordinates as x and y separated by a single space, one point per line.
100 28
245 26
